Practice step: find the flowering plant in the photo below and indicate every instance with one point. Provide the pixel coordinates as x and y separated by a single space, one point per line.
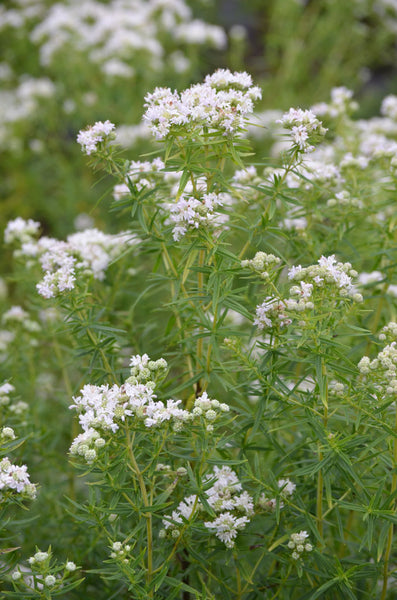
212 361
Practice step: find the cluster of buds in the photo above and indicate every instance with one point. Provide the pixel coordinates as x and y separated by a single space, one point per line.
42 573
120 551
86 445
208 409
343 199
324 283
143 369
299 545
388 332
336 388
262 263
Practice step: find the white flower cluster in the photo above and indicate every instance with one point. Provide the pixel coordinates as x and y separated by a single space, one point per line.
262 263
370 278
221 103
142 174
104 408
353 162
59 268
15 480
95 250
226 527
19 105
16 408
190 213
327 273
94 137
298 544
226 498
184 512
120 33
304 126
20 231
246 176
197 32
318 169
330 276
286 488
17 316
298 224
88 252
341 104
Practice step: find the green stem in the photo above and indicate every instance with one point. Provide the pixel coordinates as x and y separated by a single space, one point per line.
203 460
148 516
200 290
255 567
238 579
69 390
320 479
168 265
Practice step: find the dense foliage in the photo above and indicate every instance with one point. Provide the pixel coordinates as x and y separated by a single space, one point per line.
198 382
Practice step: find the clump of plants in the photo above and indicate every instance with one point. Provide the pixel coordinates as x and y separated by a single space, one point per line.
213 388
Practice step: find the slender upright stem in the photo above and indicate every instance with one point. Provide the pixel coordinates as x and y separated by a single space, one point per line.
320 479
200 291
69 390
238 579
168 266
146 502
